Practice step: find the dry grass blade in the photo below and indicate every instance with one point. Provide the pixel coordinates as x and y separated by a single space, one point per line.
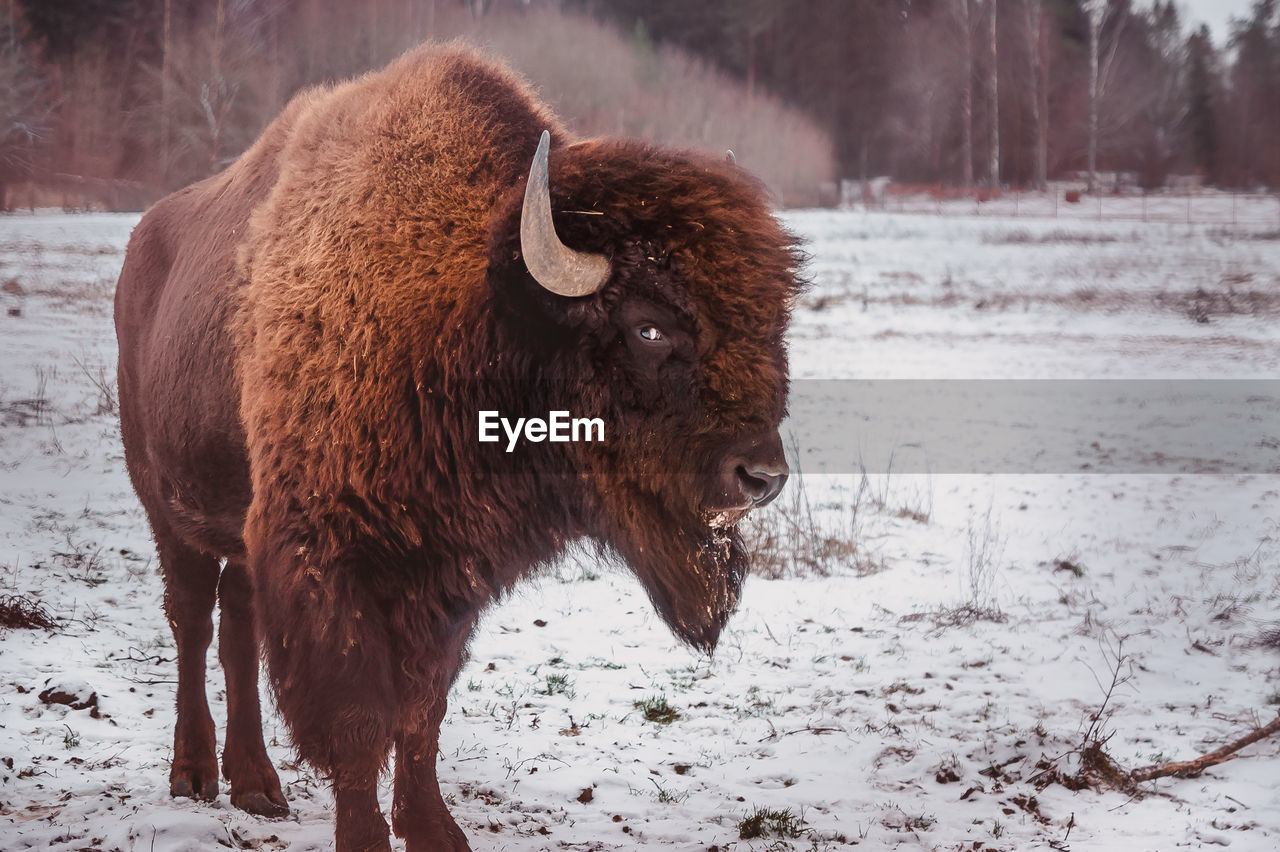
22 612
794 537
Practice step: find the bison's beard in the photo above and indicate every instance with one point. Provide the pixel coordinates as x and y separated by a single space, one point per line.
691 567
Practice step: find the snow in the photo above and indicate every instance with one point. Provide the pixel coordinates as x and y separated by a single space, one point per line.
964 628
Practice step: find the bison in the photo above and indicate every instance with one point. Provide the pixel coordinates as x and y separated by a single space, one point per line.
306 340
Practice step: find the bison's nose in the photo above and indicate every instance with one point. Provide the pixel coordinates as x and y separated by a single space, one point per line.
761 483
752 472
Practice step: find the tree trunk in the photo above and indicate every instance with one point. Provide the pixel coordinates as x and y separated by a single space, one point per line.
1037 56
1042 81
276 97
1096 9
966 94
165 94
218 86
993 97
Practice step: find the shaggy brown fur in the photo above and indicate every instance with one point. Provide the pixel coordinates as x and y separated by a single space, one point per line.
305 343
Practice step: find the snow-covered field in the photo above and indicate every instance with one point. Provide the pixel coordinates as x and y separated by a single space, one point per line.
924 675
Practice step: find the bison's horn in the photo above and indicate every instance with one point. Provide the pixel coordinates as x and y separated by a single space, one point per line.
553 264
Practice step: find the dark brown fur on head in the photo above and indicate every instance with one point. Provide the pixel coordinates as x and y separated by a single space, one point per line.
691 240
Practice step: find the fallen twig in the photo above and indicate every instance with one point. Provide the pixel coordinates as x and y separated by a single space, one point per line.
807 729
1192 768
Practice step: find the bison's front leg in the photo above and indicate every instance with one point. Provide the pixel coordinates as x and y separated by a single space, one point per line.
418 813
329 659
340 711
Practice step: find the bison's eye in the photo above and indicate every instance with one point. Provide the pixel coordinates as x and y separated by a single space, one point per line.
650 338
651 333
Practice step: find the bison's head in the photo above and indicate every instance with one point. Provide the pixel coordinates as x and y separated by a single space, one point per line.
653 289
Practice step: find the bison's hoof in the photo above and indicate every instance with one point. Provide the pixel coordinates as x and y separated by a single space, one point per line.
440 836
193 785
271 804
452 843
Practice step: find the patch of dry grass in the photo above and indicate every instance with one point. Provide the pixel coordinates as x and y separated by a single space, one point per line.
24 613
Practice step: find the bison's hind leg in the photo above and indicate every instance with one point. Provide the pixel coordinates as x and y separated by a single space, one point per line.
190 588
255 787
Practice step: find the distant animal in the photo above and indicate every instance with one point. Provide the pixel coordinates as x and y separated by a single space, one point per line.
306 341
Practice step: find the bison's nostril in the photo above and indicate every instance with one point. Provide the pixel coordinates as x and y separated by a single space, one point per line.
759 484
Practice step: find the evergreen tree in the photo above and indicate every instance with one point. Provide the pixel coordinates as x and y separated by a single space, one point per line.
1202 129
1255 84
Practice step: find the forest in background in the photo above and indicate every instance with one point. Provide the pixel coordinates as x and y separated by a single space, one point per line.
113 102
1000 91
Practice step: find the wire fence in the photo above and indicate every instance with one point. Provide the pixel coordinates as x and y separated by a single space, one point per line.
1252 211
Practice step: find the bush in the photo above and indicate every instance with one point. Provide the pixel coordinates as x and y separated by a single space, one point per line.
603 84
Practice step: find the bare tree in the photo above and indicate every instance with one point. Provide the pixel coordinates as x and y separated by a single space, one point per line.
923 118
1100 68
1096 10
217 94
218 85
993 97
1167 106
757 19
1038 61
166 88
962 10
24 110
